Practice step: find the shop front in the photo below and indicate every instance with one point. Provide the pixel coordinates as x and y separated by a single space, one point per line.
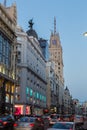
22 110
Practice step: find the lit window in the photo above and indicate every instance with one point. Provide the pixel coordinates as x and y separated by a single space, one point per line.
37 95
11 99
31 92
7 97
27 90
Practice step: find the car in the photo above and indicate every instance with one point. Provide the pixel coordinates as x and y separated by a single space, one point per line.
53 121
24 123
47 117
6 122
54 118
66 118
46 120
66 126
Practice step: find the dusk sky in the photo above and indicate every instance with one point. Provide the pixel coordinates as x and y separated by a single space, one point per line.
71 23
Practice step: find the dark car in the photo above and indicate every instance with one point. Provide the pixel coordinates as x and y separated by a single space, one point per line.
66 126
6 122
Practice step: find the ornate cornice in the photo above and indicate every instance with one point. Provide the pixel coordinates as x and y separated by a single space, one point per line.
6 24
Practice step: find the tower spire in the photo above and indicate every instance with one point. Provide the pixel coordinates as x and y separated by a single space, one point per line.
4 2
54 25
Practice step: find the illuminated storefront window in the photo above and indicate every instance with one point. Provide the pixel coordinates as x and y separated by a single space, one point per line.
0 68
18 109
27 110
12 89
7 87
3 70
11 99
7 98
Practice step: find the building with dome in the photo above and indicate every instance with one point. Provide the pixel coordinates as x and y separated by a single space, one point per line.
30 94
31 31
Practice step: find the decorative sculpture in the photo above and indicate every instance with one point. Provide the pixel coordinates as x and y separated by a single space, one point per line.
31 24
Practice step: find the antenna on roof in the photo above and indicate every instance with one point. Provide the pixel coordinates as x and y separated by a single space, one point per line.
4 2
54 25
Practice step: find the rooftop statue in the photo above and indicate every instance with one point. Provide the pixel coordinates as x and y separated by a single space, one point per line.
31 24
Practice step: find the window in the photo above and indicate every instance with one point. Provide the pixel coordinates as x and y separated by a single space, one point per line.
11 99
31 92
5 50
17 97
12 89
27 90
37 95
7 98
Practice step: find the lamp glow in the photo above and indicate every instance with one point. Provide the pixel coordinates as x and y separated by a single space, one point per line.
85 34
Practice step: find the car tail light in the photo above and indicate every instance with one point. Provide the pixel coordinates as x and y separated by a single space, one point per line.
39 119
1 121
31 125
15 124
4 123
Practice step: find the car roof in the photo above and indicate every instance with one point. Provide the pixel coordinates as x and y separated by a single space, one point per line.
66 122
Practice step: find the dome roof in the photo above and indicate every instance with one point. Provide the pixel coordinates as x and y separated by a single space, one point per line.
31 31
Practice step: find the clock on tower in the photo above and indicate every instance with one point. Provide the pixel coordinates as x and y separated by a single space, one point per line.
54 42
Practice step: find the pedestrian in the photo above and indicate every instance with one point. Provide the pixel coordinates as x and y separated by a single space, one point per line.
38 125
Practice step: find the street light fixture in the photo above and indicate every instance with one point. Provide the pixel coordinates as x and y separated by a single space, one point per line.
85 34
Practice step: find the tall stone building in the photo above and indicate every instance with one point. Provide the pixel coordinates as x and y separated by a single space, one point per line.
56 53
52 89
7 57
55 49
67 101
30 94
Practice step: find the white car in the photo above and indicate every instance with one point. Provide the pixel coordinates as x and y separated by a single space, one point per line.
66 126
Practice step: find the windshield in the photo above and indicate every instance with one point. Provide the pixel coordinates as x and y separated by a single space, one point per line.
27 119
63 126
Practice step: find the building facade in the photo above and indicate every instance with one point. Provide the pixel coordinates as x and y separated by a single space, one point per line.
55 50
45 48
30 94
52 89
67 101
7 58
56 53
